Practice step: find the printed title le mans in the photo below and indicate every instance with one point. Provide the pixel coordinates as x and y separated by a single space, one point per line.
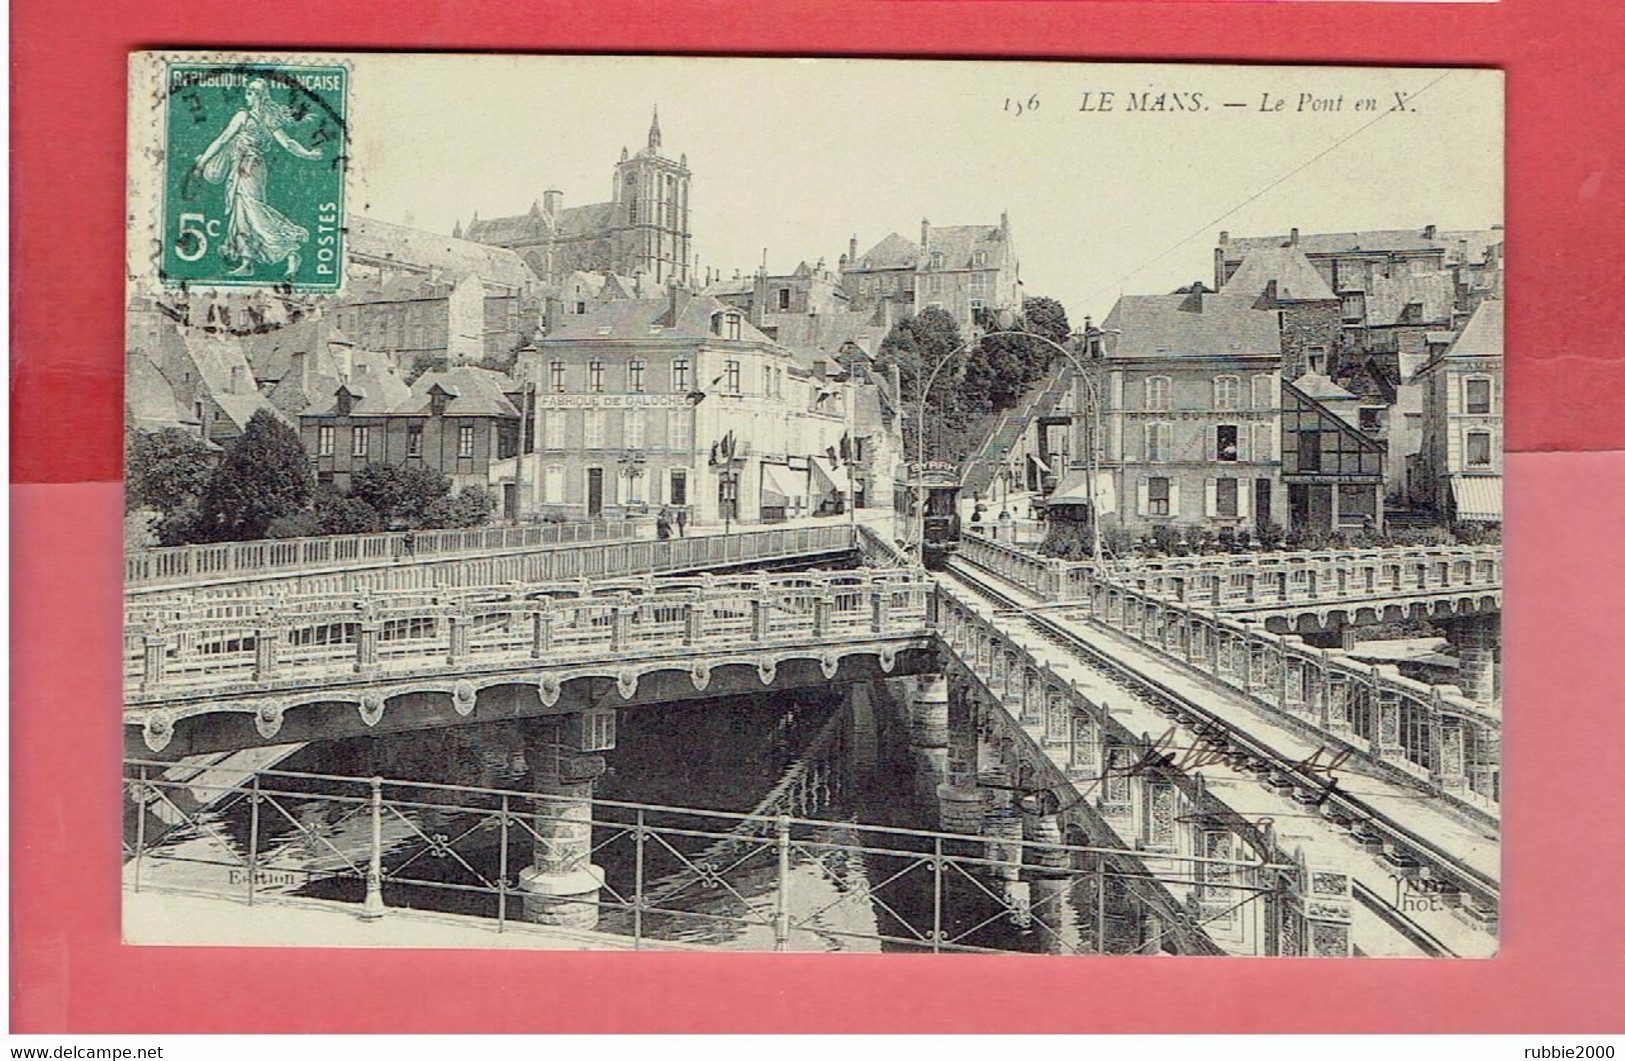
1102 101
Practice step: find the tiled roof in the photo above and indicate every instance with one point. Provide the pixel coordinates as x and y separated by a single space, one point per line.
473 392
1171 326
373 382
1482 335
1386 299
271 352
1321 388
380 240
893 252
635 319
148 397
1296 280
956 244
578 221
216 355
240 407
1383 240
520 228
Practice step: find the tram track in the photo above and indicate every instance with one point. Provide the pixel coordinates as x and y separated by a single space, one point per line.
1412 856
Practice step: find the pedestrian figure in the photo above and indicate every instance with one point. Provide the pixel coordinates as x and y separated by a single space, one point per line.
682 522
663 524
409 544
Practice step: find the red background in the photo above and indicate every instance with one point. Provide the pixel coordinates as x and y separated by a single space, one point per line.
1561 964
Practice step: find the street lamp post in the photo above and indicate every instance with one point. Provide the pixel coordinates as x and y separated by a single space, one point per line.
631 463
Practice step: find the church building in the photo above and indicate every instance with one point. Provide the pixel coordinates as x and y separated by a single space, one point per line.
642 230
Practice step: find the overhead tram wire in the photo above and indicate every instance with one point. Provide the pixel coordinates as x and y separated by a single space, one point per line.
1271 186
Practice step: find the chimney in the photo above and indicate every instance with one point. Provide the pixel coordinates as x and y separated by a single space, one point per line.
1293 241
677 301
1224 238
925 234
239 379
553 202
1431 232
852 249
758 299
297 369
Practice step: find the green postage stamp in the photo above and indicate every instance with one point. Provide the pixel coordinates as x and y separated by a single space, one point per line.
254 158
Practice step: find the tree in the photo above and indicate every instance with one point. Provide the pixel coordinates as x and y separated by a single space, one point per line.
1046 317
469 507
347 515
165 470
402 496
917 346
420 364
263 476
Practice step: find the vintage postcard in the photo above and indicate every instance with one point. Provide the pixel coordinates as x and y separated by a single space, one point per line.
813 505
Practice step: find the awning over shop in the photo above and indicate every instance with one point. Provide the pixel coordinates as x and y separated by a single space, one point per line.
1074 490
1477 497
833 478
779 485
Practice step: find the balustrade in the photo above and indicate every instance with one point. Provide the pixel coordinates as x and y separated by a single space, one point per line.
1268 578
206 646
438 559
1354 702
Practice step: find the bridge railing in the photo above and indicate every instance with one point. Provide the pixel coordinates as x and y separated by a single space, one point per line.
184 564
217 646
1432 732
1261 580
783 883
500 561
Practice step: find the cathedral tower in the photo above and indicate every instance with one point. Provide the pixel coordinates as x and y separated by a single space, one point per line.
651 212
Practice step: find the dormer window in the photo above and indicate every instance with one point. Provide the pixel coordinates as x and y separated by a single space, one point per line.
345 401
936 259
979 259
437 400
731 323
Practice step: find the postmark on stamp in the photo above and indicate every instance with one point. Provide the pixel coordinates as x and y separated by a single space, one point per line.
253 181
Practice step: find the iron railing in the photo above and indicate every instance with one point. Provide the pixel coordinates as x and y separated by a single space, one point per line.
676 875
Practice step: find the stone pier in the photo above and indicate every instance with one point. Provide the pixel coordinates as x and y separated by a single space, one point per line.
959 797
928 731
1477 640
561 885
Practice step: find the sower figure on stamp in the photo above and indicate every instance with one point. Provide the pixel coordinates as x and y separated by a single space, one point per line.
255 231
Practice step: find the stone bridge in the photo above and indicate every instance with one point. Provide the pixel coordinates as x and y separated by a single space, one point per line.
1320 596
1139 759
1434 733
211 674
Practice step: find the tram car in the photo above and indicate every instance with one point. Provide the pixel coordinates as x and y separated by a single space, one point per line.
935 485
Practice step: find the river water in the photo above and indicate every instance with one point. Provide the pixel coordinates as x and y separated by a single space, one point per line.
837 755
